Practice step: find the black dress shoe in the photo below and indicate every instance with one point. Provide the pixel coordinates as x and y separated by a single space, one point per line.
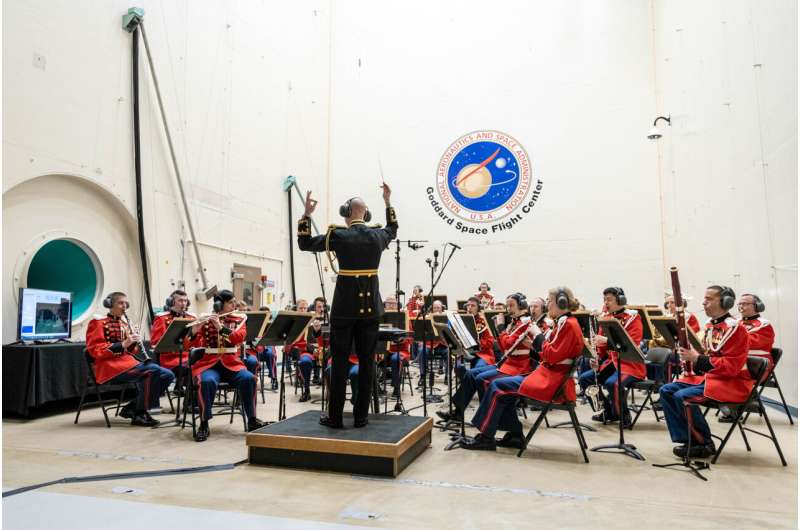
328 422
274 384
128 411
512 439
446 416
726 418
481 443
305 396
254 423
144 420
697 451
360 422
203 432
600 417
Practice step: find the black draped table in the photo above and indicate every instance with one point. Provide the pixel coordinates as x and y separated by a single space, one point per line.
38 374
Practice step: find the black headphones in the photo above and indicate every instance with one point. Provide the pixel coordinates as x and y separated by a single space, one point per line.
562 299
758 303
619 294
220 298
728 298
522 302
170 301
346 210
108 301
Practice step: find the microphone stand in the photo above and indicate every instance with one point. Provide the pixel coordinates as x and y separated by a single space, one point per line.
421 316
325 321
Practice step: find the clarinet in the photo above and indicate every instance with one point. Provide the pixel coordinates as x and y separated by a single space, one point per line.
142 355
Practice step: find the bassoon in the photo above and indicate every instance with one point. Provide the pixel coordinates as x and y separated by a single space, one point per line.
680 316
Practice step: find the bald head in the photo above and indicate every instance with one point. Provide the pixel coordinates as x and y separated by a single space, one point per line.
357 209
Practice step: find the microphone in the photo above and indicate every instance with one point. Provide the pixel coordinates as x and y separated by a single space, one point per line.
456 246
415 246
435 258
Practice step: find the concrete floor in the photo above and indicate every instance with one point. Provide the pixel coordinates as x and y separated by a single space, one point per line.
550 486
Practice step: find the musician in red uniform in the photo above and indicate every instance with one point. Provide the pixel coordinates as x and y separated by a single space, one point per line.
614 301
720 374
691 319
484 296
550 381
416 301
175 306
435 350
221 337
759 329
112 344
516 341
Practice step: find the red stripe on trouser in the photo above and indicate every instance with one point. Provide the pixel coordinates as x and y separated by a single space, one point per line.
200 401
274 365
694 433
493 405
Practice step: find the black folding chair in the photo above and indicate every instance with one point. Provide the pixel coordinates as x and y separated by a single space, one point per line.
92 386
655 357
771 381
757 366
224 409
546 407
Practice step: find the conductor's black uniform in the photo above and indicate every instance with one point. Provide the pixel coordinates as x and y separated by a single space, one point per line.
357 304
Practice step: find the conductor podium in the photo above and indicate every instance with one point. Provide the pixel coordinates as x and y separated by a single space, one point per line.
386 446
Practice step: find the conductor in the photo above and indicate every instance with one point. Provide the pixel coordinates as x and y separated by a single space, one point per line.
357 304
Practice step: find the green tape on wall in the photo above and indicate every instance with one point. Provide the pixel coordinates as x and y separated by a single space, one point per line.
61 265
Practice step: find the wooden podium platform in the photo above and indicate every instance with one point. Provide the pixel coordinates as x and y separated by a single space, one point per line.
384 447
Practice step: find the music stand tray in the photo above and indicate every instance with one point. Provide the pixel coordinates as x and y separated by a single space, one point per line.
285 328
620 342
668 328
172 339
461 305
489 317
469 323
256 323
423 329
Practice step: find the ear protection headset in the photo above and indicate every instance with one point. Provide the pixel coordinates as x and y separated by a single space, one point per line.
220 298
619 294
170 301
108 301
562 299
346 210
522 302
727 298
758 303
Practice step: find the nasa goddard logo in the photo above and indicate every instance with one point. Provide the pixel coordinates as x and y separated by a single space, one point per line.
484 183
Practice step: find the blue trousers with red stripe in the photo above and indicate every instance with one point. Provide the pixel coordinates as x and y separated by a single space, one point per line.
610 396
672 396
251 362
269 357
243 380
498 408
151 380
475 362
395 361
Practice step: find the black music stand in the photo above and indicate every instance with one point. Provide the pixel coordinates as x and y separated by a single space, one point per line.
647 325
461 305
424 332
398 320
171 341
620 342
469 323
488 316
453 344
284 329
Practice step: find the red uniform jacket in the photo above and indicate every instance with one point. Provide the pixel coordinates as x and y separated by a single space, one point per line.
160 324
104 338
693 323
762 336
403 347
517 362
487 300
208 337
485 340
727 344
633 325
562 346
414 305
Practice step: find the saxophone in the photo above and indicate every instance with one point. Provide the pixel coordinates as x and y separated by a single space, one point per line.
593 392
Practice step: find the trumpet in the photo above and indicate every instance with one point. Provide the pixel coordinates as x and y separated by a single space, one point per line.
205 318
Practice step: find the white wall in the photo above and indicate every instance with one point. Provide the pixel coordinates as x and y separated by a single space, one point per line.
727 73
256 91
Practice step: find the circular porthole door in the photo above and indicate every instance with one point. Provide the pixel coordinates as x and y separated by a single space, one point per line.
67 265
